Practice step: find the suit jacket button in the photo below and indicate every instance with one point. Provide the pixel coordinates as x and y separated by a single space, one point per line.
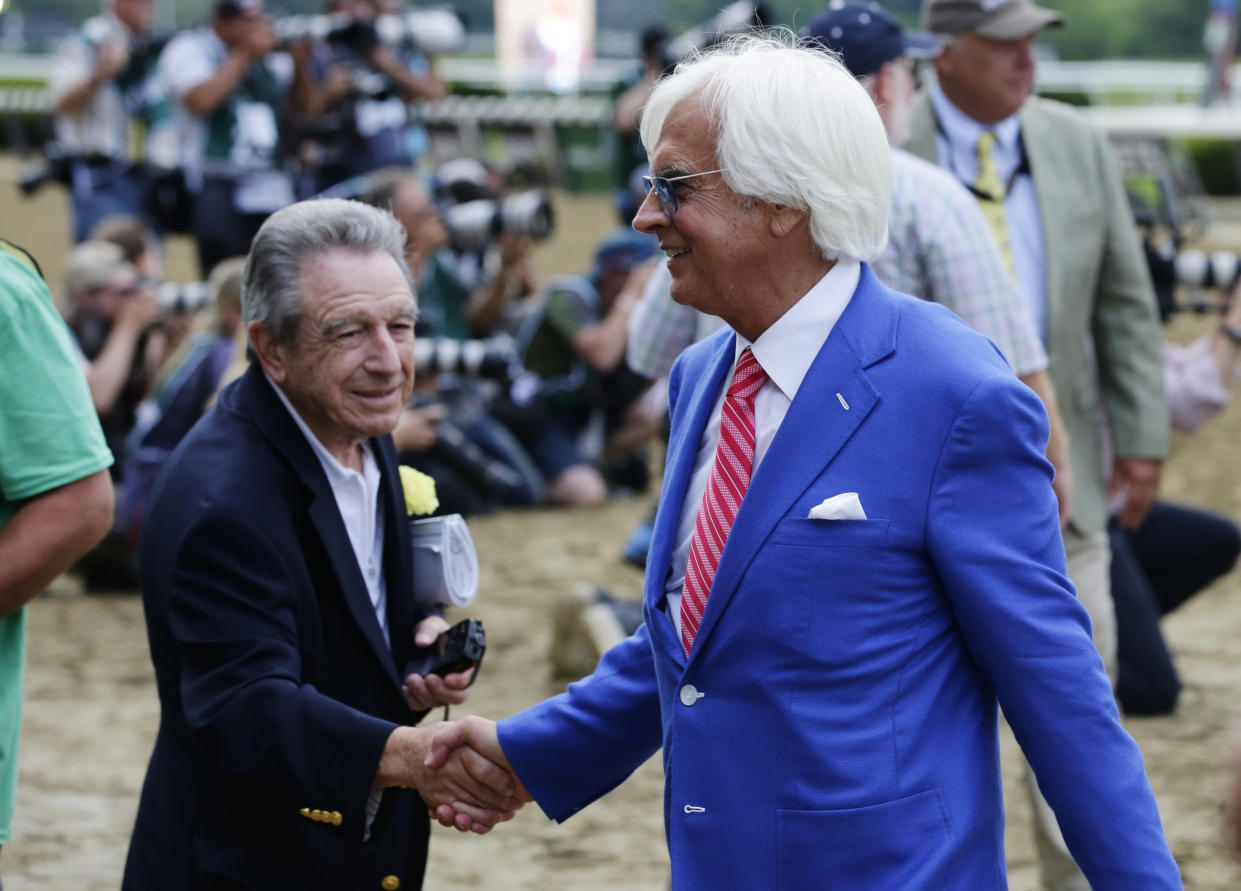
337 819
316 815
390 883
305 812
690 695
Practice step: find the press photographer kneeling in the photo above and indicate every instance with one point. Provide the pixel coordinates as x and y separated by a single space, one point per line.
450 429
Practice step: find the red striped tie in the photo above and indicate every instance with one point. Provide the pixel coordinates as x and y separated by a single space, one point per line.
730 477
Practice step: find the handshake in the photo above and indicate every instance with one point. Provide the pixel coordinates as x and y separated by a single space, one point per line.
459 770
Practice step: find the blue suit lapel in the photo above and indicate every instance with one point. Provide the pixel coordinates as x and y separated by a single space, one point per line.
701 377
270 415
813 431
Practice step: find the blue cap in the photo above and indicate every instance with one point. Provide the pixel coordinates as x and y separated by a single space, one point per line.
867 36
623 249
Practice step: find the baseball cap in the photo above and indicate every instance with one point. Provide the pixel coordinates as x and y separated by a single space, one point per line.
999 19
95 264
623 249
867 36
226 10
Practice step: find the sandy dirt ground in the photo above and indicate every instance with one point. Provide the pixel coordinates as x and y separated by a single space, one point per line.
91 710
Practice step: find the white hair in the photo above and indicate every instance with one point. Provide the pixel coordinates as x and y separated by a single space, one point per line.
791 127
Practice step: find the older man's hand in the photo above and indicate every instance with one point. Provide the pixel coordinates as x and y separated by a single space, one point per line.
476 791
478 736
424 692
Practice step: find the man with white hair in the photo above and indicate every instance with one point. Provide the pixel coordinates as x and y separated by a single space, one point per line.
835 596
939 247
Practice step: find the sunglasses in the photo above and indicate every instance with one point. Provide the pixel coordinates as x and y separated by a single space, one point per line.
665 191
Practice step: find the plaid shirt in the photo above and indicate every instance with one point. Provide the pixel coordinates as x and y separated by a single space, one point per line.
939 249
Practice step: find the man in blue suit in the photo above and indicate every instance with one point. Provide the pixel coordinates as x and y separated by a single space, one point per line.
894 569
278 590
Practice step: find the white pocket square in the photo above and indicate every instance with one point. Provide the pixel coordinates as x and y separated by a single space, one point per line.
845 506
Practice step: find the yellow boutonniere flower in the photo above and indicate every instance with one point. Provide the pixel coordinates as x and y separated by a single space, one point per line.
419 491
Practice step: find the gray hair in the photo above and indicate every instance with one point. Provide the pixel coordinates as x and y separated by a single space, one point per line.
294 235
792 127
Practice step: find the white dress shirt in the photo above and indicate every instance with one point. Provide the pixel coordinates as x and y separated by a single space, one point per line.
357 499
957 145
785 351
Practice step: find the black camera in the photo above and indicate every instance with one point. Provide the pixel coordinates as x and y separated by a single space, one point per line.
456 650
475 224
56 166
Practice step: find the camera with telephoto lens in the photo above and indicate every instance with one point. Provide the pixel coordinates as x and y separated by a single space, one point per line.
494 358
473 225
1200 269
431 31
182 296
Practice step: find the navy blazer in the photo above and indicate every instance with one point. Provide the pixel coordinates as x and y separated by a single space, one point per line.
277 690
835 723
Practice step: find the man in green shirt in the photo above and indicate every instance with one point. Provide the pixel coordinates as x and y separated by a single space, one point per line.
55 493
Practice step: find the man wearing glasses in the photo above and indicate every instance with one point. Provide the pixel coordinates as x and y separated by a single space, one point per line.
857 552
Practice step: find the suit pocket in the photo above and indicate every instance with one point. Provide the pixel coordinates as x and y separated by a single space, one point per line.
889 845
829 533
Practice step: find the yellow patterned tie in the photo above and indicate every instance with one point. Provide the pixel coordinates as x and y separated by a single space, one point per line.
990 193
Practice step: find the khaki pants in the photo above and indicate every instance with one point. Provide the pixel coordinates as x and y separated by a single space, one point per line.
1089 562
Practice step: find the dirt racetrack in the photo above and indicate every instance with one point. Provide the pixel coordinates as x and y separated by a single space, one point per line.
91 711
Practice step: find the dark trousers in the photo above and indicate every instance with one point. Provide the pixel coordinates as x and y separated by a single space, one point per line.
1174 554
103 190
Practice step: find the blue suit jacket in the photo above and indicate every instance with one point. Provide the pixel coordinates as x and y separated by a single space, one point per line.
841 729
277 690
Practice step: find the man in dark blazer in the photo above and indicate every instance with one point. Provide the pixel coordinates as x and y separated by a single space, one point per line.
893 570
277 584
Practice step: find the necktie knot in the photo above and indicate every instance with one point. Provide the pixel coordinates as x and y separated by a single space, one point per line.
988 181
748 378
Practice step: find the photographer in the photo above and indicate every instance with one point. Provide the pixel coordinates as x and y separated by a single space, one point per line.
367 122
112 317
104 86
111 314
448 430
576 344
183 390
1177 550
233 89
657 58
491 262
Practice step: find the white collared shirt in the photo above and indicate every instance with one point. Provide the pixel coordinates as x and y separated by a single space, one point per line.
957 145
357 499
785 351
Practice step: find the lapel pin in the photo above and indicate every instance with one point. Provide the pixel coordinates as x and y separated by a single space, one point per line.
843 404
